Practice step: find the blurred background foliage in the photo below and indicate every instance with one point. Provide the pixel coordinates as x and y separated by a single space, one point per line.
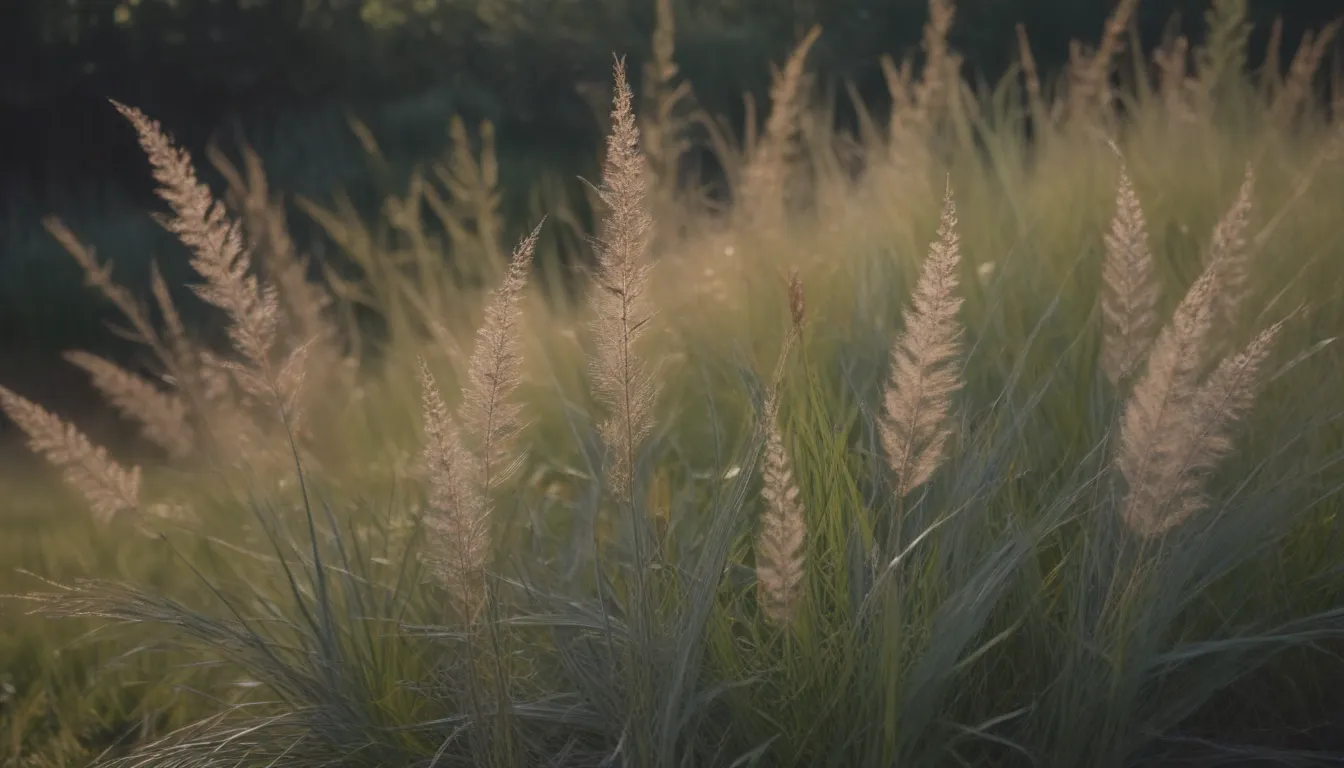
537 69
291 78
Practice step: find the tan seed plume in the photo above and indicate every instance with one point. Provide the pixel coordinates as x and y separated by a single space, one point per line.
1198 438
1090 94
797 300
1155 423
1175 86
203 225
766 176
900 87
1227 250
1273 50
490 420
106 485
779 546
664 125
1306 63
180 355
780 557
621 379
931 92
304 302
466 464
457 521
1225 399
98 275
202 381
924 372
223 423
162 416
1130 288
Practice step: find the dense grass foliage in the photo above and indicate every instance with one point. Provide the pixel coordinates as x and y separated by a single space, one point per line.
850 472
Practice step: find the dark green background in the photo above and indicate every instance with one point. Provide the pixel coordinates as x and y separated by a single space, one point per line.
199 65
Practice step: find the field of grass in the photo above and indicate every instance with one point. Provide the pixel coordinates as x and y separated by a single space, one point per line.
1008 432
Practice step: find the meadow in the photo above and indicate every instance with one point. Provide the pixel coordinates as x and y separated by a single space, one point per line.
1004 431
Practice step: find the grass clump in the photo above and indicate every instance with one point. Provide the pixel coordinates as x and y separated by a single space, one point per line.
1007 512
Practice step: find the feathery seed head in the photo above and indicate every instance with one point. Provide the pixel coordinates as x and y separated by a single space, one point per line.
765 177
780 544
930 93
924 373
1131 290
798 314
162 417
1227 249
457 519
106 485
1197 436
490 419
1155 426
797 300
202 224
621 380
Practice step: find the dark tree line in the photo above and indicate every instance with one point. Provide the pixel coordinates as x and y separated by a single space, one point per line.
195 64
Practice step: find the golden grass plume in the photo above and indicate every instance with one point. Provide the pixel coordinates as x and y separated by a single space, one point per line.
622 381
765 177
107 486
1192 434
1130 287
1228 250
467 458
457 520
1174 427
925 373
490 419
162 416
218 254
780 557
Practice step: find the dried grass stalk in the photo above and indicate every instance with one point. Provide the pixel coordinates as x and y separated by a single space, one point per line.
189 369
305 303
779 546
900 87
664 126
1174 84
466 464
1272 73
